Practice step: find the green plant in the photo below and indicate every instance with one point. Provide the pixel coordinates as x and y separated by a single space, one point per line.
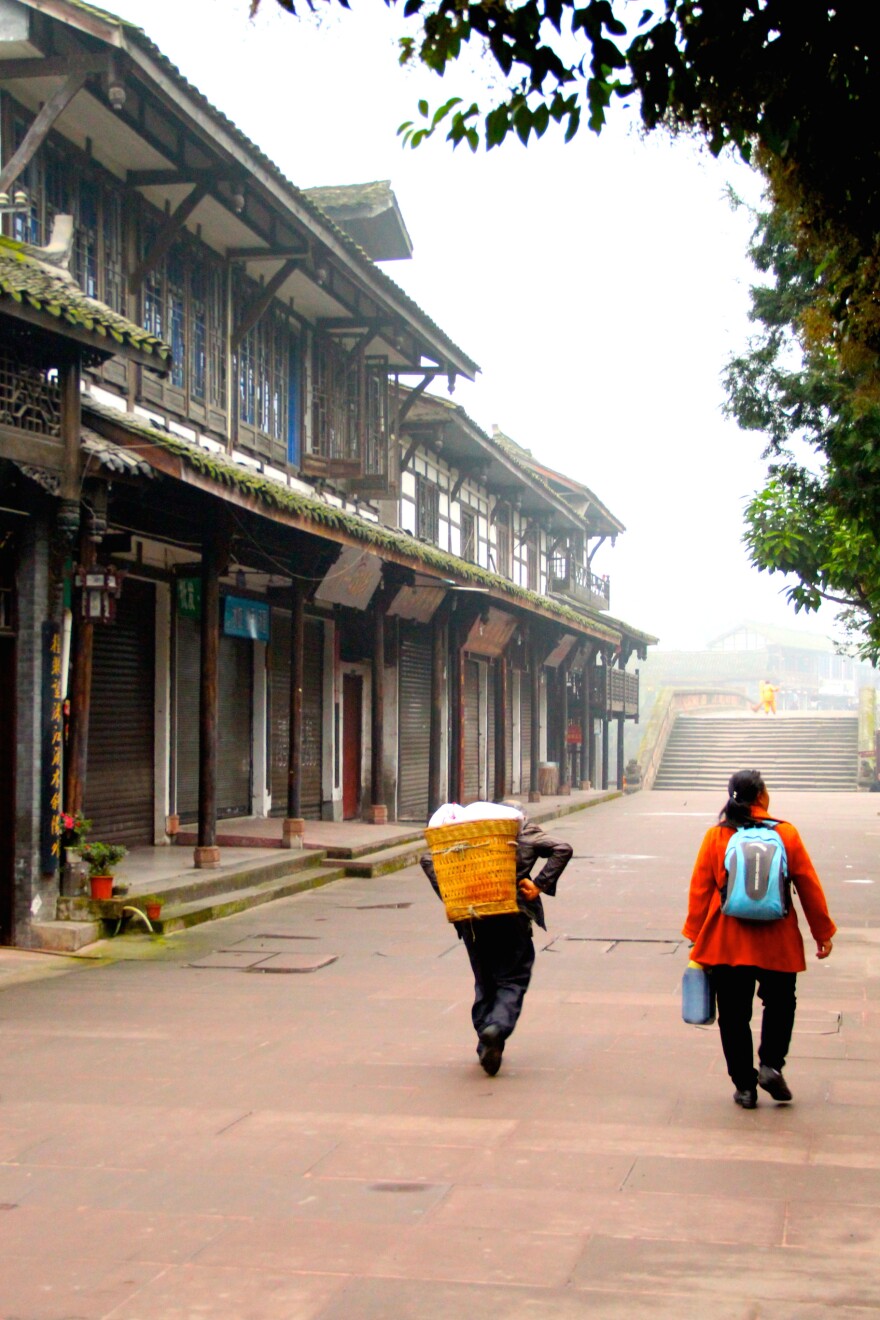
100 858
74 828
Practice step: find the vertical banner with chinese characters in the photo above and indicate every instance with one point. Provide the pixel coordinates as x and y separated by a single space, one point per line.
50 838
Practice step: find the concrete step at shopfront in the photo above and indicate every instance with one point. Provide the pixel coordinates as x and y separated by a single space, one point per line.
180 915
386 860
794 753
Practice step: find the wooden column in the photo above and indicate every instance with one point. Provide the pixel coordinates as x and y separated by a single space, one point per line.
206 852
564 776
621 725
438 683
293 827
535 680
377 812
586 724
80 694
456 702
500 716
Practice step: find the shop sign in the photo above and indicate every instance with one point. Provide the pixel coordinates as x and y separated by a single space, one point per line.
52 734
246 618
189 597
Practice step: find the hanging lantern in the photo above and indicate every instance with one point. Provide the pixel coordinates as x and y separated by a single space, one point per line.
100 588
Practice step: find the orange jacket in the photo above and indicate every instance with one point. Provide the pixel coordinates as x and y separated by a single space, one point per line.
776 946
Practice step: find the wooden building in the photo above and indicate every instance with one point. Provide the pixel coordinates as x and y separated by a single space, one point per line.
279 574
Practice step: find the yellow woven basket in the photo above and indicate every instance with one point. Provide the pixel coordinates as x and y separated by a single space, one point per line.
475 865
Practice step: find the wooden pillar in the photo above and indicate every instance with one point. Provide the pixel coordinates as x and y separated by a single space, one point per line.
535 680
500 716
293 827
206 852
621 724
456 702
438 677
586 724
80 694
564 776
377 812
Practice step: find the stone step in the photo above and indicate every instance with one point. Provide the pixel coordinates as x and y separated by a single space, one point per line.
386 861
180 915
64 936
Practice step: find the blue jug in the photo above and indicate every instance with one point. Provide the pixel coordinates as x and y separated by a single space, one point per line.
697 998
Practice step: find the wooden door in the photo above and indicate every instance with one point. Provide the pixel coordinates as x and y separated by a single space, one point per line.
352 745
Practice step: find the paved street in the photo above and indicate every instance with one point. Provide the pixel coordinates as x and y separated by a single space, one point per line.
228 1125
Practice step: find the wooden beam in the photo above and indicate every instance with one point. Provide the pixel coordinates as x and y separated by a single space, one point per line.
407 458
262 302
167 235
267 254
178 175
413 398
41 127
53 66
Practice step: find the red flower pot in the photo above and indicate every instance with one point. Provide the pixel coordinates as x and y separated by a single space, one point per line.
101 886
153 911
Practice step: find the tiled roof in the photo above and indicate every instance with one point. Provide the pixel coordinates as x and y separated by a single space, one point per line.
26 280
326 518
139 38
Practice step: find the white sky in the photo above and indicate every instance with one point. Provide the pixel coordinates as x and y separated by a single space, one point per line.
601 286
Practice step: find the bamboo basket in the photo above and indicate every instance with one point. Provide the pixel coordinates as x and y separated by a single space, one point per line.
475 865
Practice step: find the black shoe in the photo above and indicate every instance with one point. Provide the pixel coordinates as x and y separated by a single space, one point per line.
746 1099
491 1049
772 1081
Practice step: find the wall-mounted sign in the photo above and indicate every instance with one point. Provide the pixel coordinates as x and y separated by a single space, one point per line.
246 618
52 734
100 588
189 597
352 579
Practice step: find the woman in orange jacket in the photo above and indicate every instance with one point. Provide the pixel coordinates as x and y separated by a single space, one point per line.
745 955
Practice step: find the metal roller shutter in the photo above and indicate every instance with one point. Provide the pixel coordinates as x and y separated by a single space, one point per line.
471 775
491 677
508 741
119 786
313 714
235 705
414 725
525 728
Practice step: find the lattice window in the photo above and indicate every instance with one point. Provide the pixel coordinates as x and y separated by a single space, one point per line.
428 511
29 397
468 536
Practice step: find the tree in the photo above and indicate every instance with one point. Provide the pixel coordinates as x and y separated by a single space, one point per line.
792 85
817 518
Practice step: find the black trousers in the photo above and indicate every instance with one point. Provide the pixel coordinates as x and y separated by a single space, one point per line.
502 955
735 990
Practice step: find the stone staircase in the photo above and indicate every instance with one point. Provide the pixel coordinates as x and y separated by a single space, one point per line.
793 751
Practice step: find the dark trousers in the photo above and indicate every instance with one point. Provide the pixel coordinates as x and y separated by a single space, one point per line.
502 955
735 991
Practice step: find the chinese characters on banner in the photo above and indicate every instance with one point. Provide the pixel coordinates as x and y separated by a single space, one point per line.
52 734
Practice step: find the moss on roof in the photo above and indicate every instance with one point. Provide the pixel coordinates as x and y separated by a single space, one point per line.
274 495
28 281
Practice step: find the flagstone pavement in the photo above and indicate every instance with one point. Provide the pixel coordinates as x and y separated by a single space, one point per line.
279 1116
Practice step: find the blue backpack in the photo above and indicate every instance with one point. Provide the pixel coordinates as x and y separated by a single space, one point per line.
756 863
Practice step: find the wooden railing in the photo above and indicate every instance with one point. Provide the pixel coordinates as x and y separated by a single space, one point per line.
569 578
615 691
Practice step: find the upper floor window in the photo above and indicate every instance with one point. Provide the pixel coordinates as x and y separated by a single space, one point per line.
502 540
532 581
468 536
427 510
350 427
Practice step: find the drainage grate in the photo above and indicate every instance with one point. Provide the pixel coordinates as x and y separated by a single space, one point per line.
373 907
610 941
400 1187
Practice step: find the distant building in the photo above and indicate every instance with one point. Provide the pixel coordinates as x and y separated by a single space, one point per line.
806 667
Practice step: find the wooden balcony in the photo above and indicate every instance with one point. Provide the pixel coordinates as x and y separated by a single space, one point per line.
571 579
615 691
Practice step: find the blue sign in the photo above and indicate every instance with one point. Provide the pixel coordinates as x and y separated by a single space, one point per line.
245 618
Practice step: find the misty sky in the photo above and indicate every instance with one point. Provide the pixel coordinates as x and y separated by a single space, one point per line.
600 286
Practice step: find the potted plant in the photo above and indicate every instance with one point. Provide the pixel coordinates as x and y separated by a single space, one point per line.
101 858
74 828
152 906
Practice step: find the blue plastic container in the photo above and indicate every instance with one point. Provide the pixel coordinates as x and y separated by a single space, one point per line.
697 998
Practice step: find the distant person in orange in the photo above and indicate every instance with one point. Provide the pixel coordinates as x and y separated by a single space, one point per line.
767 697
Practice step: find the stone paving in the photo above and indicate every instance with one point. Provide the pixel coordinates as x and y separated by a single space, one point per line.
192 1127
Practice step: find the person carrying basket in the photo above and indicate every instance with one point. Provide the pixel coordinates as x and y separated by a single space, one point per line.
500 947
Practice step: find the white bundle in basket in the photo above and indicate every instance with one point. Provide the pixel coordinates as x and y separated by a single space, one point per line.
451 813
